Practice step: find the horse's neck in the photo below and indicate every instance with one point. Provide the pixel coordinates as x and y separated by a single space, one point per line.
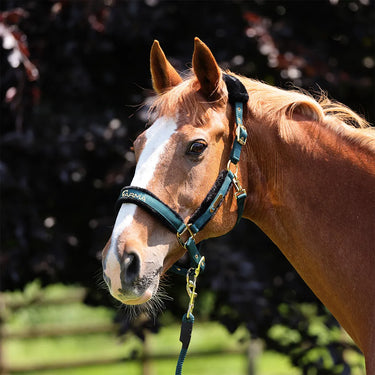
318 206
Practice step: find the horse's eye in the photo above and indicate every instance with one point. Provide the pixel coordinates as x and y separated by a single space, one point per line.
197 147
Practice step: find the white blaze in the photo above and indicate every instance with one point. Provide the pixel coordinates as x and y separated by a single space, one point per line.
157 139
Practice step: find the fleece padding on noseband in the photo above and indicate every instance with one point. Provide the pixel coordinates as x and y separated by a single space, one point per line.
210 197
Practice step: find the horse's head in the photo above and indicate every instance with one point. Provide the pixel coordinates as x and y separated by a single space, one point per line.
179 158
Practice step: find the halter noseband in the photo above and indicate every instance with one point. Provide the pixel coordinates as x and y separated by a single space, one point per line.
237 96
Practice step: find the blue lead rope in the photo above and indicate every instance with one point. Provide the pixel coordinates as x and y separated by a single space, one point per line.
185 336
188 318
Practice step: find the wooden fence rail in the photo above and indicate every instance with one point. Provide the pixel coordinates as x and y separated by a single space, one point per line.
56 331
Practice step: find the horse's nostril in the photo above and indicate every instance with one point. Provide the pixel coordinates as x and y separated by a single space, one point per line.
131 267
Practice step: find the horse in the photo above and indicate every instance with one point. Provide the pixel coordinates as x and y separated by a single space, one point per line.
307 167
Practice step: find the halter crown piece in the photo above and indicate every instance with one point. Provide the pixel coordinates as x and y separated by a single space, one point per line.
237 96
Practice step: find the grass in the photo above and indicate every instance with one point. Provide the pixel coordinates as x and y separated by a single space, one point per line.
207 337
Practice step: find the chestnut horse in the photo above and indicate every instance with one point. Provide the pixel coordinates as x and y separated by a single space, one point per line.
308 171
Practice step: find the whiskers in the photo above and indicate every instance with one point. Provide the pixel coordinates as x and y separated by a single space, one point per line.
151 308
100 280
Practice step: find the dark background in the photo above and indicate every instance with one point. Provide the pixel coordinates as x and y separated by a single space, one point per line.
74 77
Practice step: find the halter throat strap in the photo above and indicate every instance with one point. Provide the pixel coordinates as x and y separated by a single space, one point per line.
186 232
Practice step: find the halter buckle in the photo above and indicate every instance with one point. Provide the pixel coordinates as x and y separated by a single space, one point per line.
180 234
241 134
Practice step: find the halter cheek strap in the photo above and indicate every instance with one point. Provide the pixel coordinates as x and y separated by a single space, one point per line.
186 232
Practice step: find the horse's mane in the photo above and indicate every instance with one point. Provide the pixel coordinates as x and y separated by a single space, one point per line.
278 106
275 105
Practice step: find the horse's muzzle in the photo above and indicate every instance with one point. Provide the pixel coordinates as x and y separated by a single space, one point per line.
122 275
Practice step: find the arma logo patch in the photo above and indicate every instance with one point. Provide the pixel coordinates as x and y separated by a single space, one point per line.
130 194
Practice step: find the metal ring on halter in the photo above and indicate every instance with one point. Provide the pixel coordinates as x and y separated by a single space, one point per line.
190 232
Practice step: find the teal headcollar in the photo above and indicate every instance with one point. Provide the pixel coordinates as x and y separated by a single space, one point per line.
186 232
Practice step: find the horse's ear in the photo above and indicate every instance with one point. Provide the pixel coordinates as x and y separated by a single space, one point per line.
164 76
206 69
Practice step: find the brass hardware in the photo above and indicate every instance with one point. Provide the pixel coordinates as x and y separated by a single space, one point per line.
179 235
